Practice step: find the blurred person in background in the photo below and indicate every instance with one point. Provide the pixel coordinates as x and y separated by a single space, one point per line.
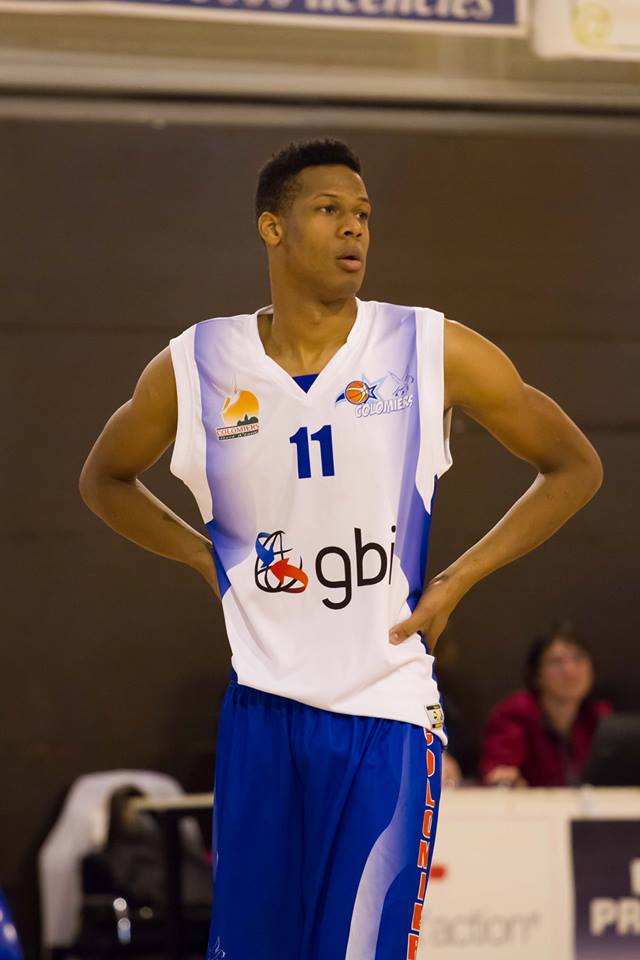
541 736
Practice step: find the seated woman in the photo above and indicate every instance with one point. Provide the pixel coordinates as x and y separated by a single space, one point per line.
540 737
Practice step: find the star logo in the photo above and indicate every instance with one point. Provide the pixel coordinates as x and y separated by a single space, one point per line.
371 385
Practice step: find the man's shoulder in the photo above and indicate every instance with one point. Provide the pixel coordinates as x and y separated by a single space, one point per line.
390 307
221 321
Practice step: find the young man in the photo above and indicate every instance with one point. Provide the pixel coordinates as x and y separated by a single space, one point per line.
312 433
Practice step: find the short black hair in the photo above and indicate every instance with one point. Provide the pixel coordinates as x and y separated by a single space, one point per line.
276 188
559 630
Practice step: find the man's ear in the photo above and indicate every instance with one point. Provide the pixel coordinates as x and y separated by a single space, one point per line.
270 229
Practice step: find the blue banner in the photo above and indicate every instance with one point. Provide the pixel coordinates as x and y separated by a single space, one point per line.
468 16
606 871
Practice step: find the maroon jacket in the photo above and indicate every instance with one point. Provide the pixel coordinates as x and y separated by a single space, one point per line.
517 734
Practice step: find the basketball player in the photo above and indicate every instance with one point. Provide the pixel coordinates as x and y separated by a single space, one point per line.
312 433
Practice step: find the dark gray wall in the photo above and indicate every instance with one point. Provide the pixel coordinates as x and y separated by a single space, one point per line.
117 236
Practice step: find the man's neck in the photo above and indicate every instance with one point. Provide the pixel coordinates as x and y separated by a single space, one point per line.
303 334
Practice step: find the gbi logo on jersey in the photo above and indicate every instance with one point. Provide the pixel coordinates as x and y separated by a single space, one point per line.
274 573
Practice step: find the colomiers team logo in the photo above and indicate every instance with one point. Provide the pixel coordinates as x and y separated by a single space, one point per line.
384 395
277 575
240 414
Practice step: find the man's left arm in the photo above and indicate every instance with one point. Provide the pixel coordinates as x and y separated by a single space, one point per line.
482 381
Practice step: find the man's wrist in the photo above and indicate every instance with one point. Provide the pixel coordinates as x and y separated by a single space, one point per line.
458 578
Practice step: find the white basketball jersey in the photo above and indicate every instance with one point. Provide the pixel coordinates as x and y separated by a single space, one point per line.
318 504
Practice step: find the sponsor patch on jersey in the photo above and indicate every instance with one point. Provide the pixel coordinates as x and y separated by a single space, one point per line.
336 569
387 394
240 415
436 716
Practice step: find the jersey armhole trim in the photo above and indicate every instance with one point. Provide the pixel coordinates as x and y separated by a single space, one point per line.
182 443
431 359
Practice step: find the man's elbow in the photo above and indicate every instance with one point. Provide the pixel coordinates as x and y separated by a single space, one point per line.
591 475
87 485
90 483
94 483
598 473
582 476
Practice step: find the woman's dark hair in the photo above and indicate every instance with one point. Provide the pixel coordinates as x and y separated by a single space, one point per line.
559 630
276 188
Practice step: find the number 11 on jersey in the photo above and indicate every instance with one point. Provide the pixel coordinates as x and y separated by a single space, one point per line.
301 440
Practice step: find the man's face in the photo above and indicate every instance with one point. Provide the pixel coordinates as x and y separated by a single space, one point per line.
325 232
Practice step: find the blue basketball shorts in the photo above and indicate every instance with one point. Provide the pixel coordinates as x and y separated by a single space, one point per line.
323 831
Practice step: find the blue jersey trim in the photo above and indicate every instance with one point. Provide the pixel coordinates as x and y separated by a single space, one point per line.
223 580
305 380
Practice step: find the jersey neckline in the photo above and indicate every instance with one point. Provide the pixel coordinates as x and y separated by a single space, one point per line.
280 374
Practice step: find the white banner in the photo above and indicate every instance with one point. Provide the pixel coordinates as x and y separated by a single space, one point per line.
498 890
593 29
513 877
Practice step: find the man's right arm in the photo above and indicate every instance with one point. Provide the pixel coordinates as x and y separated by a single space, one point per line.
133 439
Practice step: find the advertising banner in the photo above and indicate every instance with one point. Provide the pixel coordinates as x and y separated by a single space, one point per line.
496 890
593 29
606 870
502 17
